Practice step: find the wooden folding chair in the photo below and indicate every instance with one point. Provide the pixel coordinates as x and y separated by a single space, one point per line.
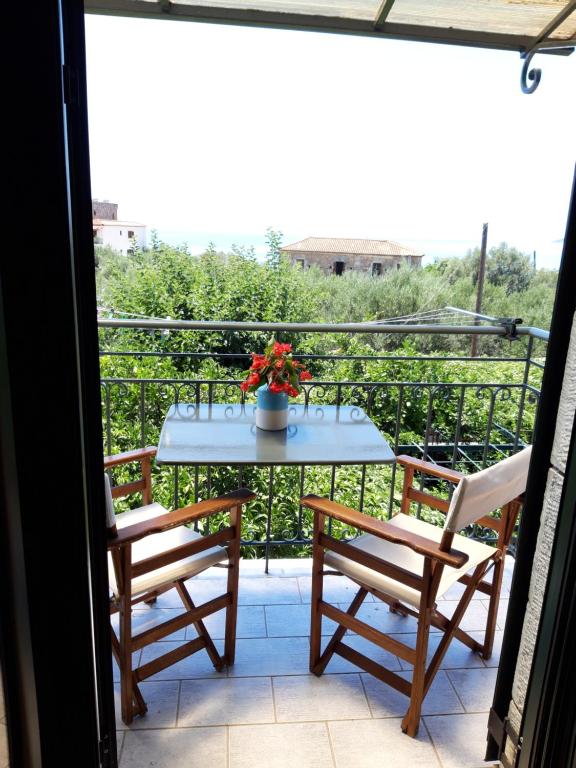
151 551
409 564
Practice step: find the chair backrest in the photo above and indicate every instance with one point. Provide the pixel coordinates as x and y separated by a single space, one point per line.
488 490
110 515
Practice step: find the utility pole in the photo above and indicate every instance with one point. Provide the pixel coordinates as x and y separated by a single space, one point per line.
534 261
481 271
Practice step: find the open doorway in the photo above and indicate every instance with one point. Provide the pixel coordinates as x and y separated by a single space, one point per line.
209 273
436 432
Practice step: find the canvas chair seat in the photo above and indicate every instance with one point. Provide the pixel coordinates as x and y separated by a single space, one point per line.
406 558
158 543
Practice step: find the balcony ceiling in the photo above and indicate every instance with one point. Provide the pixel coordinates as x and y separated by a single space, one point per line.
520 25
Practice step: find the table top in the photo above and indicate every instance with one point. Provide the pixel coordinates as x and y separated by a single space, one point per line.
227 434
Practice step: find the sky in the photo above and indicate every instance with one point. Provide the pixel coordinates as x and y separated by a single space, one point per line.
212 133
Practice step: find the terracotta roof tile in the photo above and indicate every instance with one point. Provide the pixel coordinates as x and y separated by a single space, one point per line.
342 245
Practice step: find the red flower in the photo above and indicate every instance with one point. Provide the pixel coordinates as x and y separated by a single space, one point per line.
276 387
258 361
305 375
244 386
293 392
280 349
279 364
253 379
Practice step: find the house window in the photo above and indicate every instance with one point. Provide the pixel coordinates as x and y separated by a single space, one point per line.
397 266
376 269
130 233
300 263
338 267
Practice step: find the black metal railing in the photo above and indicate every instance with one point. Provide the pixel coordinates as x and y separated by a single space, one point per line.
461 424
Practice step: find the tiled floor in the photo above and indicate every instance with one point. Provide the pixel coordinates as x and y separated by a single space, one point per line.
268 711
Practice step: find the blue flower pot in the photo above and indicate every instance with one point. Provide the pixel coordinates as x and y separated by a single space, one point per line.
271 409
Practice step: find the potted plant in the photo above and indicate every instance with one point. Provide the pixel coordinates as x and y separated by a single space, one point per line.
274 376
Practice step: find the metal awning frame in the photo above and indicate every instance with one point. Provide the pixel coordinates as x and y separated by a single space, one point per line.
527 46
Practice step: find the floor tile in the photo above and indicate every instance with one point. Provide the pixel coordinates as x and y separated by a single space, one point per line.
143 620
379 616
305 745
475 687
475 617
293 621
196 665
330 697
494 659
268 590
386 701
250 623
337 589
280 567
175 748
161 697
460 740
271 656
458 655
379 655
377 743
119 743
226 702
201 590
501 613
116 669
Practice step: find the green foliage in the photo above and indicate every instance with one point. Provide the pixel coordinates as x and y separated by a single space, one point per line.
166 281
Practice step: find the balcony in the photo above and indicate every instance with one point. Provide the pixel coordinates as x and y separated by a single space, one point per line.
267 709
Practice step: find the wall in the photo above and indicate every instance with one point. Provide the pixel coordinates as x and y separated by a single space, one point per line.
102 209
352 261
564 423
116 236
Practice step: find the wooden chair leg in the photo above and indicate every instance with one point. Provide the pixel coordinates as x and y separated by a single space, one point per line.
200 627
328 652
232 586
125 651
411 721
151 598
451 629
316 596
493 608
139 703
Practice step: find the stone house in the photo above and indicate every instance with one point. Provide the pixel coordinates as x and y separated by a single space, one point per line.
336 255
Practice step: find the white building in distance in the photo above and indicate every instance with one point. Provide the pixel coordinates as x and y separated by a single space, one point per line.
108 230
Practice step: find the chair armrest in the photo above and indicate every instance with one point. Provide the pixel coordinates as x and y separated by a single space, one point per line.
182 516
128 456
429 468
383 530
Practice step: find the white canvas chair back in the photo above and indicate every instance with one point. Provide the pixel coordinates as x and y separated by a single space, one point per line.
110 516
488 490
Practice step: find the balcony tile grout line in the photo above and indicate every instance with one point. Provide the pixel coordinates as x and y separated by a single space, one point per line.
366 697
178 703
436 753
332 752
456 692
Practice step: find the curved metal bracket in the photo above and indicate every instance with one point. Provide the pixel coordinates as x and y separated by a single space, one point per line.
534 75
